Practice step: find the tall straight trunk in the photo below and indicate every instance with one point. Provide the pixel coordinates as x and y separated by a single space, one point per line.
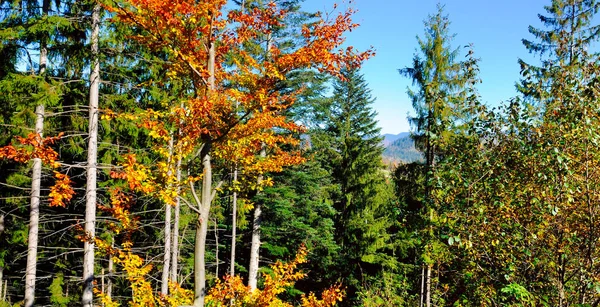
255 247
234 201
422 285
164 288
202 231
233 224
202 223
34 215
36 178
92 161
257 218
1 267
428 287
111 271
430 164
216 247
175 232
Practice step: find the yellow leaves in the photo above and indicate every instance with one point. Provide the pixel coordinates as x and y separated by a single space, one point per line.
330 297
108 114
178 296
233 290
137 176
105 300
168 195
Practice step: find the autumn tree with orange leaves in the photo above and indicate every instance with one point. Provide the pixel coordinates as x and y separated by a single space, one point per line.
231 106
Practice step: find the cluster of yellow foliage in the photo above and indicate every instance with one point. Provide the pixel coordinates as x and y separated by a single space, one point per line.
232 291
228 292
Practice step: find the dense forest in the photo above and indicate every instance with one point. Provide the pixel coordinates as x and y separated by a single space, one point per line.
226 153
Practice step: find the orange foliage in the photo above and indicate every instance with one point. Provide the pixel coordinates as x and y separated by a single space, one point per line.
61 191
234 107
31 147
235 120
35 147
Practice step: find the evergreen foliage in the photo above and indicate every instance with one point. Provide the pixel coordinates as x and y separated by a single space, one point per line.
493 207
349 147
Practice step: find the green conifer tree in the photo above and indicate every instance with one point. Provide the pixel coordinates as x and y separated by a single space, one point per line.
349 147
443 90
564 44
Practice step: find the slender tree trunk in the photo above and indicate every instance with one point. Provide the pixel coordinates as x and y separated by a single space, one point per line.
36 177
43 44
34 216
175 241
422 285
233 223
92 160
256 221
216 248
164 289
1 267
111 271
428 287
202 223
234 202
202 230
255 247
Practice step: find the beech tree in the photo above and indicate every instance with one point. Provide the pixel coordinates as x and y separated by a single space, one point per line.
215 112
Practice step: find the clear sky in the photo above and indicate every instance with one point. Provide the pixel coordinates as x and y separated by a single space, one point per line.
494 27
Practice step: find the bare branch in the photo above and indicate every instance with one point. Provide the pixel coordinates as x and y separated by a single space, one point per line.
190 205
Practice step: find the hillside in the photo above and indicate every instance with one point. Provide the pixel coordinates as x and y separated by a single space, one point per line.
388 138
400 148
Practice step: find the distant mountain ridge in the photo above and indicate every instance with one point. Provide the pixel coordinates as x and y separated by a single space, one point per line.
388 138
400 148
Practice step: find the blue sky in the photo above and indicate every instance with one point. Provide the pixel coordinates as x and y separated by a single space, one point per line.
494 27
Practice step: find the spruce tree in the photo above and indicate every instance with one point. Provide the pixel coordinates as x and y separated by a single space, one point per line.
349 147
442 90
564 44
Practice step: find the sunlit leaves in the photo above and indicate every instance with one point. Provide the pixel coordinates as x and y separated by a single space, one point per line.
35 147
232 290
62 191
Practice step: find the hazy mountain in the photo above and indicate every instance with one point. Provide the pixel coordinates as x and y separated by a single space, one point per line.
400 148
388 139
